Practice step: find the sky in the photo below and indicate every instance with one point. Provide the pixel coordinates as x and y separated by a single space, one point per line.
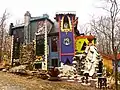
16 8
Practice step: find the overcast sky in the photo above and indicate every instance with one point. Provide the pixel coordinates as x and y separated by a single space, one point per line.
84 8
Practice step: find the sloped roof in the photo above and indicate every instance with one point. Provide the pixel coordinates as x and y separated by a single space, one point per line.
86 36
40 18
106 56
32 20
110 56
66 12
89 37
18 26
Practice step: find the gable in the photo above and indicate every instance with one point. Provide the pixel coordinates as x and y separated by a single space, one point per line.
41 27
49 26
79 43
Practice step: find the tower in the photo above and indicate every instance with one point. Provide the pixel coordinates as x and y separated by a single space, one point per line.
66 36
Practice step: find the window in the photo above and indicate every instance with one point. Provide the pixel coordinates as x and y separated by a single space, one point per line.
66 23
16 50
39 45
55 62
38 66
54 44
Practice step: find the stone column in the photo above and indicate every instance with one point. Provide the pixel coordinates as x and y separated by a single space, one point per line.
12 39
44 64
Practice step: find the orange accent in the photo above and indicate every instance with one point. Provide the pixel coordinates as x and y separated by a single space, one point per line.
73 35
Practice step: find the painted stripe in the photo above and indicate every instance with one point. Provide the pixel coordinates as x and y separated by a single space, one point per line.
67 54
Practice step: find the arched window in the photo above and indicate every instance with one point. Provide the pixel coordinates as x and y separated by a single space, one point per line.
66 23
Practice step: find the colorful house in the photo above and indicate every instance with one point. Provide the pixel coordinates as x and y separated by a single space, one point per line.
55 42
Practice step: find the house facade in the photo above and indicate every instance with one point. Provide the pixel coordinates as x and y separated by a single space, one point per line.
33 29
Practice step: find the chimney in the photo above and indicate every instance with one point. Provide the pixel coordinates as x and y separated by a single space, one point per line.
10 29
45 15
27 17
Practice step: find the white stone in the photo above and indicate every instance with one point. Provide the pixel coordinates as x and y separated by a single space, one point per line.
4 70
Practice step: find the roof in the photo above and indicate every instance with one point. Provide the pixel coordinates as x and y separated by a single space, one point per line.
18 26
32 20
85 36
45 16
66 12
118 56
110 56
106 56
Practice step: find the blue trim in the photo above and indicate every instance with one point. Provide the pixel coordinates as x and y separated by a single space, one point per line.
52 55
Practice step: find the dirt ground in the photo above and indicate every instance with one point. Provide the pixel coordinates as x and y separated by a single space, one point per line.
10 81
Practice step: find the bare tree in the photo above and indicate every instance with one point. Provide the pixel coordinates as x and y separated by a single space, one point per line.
19 22
85 28
109 28
2 31
113 12
101 29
